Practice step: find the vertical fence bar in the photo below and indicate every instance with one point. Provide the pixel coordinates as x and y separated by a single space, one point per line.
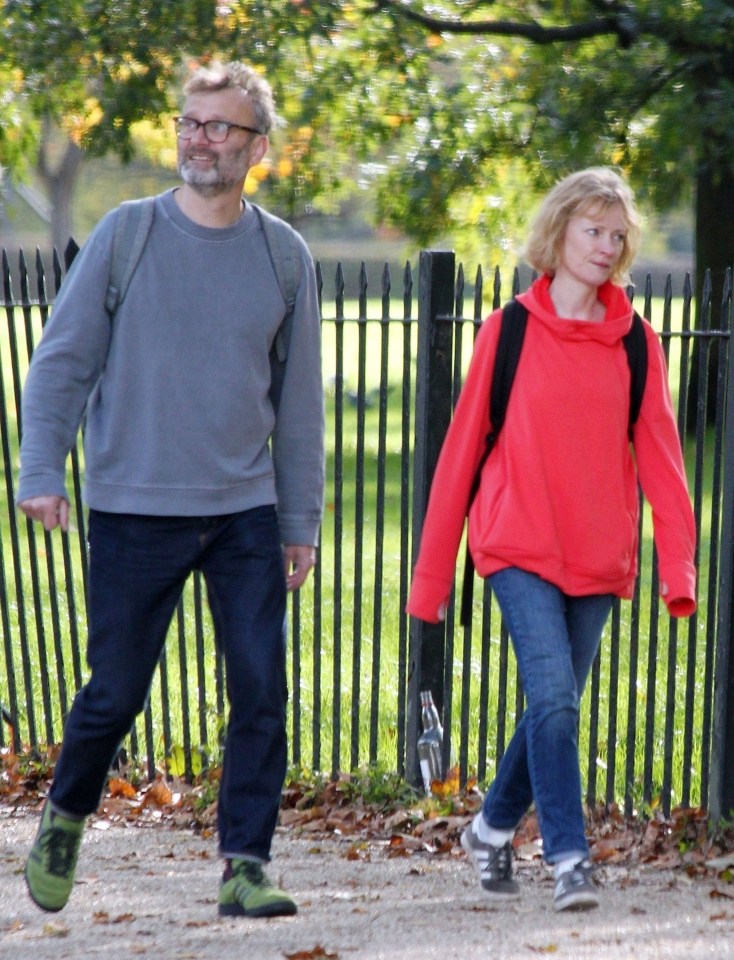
432 416
613 706
201 656
721 766
380 516
486 628
338 520
317 604
405 479
360 401
721 433
23 638
295 693
12 714
466 658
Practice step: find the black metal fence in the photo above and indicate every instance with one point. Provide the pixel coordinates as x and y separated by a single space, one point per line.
658 712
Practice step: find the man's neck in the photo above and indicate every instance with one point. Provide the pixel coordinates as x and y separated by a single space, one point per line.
219 211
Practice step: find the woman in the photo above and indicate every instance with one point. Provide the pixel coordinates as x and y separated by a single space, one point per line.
554 524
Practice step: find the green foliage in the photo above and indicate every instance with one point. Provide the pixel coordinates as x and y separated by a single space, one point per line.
97 66
450 116
378 787
375 786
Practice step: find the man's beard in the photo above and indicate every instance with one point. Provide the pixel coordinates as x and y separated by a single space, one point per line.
207 183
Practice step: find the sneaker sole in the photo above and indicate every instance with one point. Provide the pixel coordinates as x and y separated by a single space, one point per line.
513 893
583 901
42 906
266 910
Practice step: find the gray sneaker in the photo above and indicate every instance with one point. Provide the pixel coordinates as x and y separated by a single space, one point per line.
493 864
576 889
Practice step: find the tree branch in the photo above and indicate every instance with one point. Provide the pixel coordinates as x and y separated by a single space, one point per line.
601 26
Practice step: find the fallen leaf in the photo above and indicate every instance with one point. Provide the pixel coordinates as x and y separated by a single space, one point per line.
318 951
158 794
121 788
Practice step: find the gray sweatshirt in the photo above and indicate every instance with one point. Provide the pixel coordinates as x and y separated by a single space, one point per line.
174 387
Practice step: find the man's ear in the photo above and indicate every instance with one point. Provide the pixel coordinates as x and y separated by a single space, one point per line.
259 149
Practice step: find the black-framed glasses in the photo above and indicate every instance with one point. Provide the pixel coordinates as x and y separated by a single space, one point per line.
216 131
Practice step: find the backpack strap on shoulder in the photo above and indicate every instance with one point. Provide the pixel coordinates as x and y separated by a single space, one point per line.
285 254
509 346
134 220
635 345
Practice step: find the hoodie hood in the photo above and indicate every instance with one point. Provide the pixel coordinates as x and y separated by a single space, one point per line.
617 320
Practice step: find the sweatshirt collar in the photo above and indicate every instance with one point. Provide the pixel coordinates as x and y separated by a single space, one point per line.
617 320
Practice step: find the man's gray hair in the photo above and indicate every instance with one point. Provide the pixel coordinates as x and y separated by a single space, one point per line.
227 76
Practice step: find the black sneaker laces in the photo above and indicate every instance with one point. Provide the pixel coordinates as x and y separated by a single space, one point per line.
502 861
252 871
60 847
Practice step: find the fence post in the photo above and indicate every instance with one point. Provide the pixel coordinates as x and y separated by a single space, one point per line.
427 642
721 782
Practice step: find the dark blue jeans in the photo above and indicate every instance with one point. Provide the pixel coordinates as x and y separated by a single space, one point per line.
137 569
555 638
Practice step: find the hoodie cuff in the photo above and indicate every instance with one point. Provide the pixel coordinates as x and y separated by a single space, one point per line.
427 596
678 591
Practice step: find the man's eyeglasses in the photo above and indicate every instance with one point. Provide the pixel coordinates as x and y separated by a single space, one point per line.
216 131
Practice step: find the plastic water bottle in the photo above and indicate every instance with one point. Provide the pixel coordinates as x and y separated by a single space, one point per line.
430 742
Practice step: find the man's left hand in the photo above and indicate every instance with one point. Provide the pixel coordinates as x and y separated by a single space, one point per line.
298 562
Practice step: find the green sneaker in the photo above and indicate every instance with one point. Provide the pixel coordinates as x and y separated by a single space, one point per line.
49 870
246 892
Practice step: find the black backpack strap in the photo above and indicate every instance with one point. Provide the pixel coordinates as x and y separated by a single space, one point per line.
509 347
635 346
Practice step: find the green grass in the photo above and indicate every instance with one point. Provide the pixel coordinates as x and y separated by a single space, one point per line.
336 641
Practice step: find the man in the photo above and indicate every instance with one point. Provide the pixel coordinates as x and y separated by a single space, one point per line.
187 456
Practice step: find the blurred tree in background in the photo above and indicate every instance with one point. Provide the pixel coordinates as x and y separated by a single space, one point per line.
450 117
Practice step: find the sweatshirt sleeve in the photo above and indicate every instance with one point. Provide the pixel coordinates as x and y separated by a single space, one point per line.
448 500
298 436
663 479
64 368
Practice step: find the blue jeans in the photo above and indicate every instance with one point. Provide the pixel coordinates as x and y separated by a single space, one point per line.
137 569
555 638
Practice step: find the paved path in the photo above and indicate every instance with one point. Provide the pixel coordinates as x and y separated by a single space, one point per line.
151 892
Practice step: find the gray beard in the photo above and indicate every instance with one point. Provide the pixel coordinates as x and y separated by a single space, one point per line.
207 183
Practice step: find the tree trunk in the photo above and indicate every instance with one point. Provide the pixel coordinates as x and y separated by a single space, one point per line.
714 245
59 165
714 248
714 218
714 253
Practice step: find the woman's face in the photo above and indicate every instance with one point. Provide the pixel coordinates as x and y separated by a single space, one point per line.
592 244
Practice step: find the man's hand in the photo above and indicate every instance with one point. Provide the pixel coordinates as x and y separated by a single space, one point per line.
298 561
50 511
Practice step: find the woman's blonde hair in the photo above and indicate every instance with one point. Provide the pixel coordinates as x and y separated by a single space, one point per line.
592 189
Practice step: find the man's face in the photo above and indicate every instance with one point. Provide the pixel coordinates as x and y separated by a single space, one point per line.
214 168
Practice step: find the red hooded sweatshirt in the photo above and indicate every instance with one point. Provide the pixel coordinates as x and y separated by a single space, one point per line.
558 494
